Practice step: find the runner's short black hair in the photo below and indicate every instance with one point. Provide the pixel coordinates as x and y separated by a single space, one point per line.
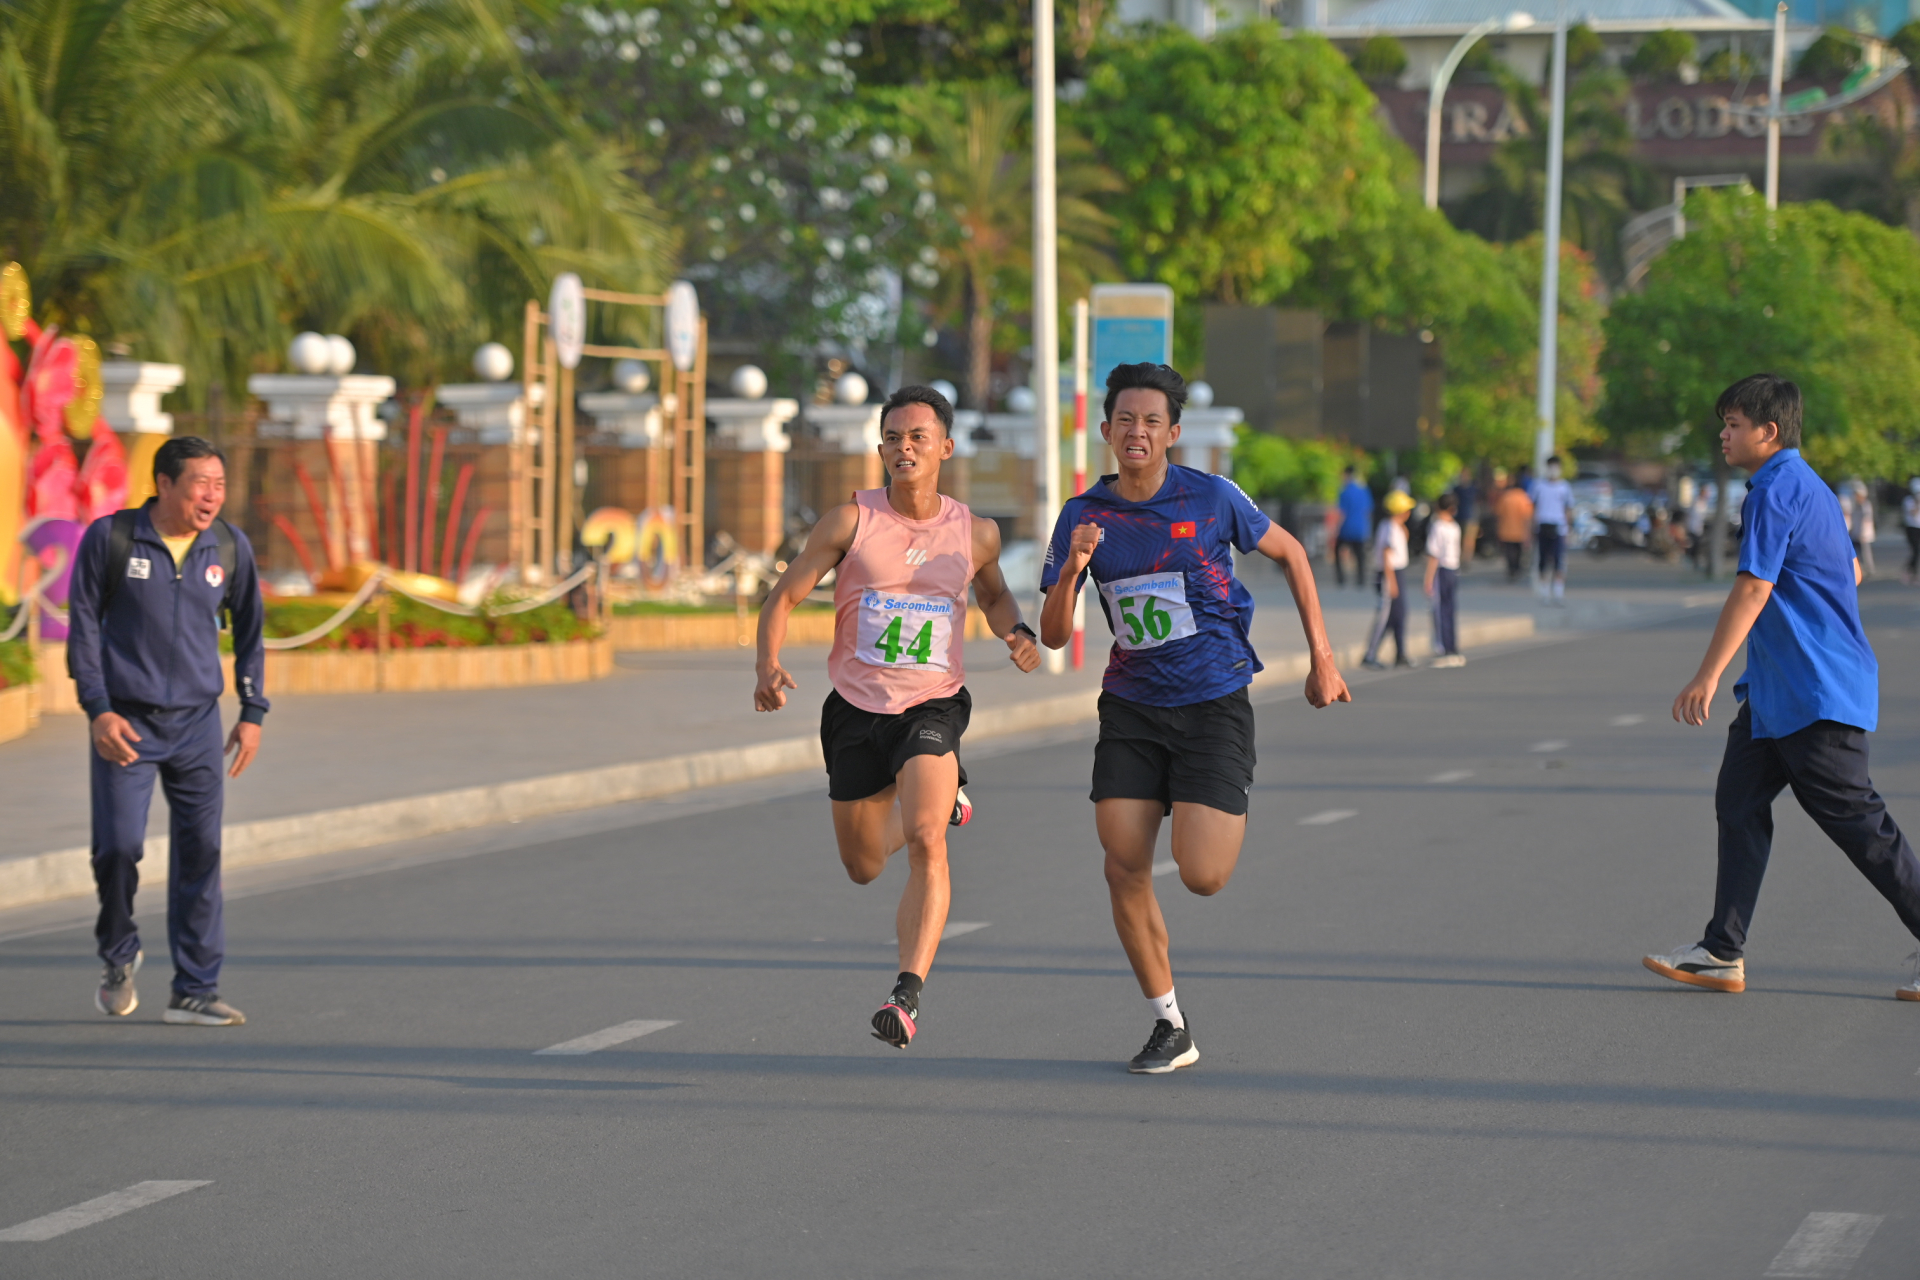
1764 398
920 395
171 458
1154 377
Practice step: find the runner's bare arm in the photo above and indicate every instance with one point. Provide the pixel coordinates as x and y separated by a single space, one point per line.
1056 617
991 593
1324 683
826 546
1742 609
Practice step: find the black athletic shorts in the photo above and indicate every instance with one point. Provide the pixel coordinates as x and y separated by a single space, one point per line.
865 750
1201 753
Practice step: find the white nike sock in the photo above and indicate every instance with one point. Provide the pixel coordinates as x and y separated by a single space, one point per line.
1166 1007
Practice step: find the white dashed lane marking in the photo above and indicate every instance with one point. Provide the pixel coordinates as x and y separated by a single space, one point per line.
1827 1244
1327 817
1167 866
1551 744
58 1223
1451 775
953 930
606 1039
1621 722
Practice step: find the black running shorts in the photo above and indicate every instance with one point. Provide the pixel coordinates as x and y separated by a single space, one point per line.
1201 753
865 750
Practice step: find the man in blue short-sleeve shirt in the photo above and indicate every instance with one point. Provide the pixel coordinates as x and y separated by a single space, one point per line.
1810 695
1356 529
1176 725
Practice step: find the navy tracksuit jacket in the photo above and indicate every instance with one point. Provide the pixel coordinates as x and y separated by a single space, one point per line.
155 659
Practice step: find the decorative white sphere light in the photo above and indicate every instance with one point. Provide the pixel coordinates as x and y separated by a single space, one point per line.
340 356
492 362
850 389
1200 395
749 382
631 376
309 354
1021 400
947 389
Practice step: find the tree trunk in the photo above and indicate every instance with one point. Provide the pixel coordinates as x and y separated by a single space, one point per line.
1717 525
980 347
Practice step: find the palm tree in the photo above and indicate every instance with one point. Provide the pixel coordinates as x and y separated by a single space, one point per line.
193 179
982 174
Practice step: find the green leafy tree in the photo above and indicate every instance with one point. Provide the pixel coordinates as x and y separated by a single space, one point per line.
801 205
1830 57
1827 298
1274 468
1380 60
193 180
1662 55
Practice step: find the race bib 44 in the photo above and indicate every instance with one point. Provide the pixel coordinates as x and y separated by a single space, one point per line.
898 630
1150 610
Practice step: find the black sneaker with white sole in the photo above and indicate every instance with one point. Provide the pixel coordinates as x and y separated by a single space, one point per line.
116 997
202 1011
1167 1049
898 1019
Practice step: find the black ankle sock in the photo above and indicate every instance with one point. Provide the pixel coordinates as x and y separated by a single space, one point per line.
911 981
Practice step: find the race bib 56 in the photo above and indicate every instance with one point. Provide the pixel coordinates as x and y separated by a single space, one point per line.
898 630
1150 610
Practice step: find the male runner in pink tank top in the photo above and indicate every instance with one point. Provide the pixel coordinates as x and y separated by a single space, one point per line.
891 725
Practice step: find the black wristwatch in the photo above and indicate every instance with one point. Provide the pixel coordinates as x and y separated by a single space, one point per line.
1031 634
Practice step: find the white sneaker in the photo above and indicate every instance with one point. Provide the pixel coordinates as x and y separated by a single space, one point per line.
1449 660
1698 967
1912 990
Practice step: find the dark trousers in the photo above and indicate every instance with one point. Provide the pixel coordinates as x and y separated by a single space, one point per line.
1913 551
1445 582
1826 765
1512 551
1389 616
182 749
1359 547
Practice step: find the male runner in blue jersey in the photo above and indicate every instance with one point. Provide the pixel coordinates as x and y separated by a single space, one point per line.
1176 726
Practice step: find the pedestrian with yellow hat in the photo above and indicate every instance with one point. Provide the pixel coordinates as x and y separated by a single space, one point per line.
1390 562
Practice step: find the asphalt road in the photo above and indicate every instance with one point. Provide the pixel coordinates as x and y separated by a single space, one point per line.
1428 1047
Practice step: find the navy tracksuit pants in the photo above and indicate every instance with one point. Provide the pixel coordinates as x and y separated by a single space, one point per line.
1826 765
183 749
1446 583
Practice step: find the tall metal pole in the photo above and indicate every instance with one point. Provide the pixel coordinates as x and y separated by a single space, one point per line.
1437 91
1046 296
1775 80
1080 323
1550 268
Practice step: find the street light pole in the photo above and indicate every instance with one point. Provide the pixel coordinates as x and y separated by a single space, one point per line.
1046 298
1775 81
1443 76
1550 268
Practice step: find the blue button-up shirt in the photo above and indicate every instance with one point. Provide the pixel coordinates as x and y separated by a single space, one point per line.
1356 512
1807 657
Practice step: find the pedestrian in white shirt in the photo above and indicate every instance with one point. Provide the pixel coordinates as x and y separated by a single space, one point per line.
1443 576
1390 562
1910 516
1552 516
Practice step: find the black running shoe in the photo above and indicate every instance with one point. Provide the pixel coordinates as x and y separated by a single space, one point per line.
1168 1048
895 1022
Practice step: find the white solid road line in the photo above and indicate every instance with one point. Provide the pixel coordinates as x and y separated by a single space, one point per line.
137 1196
1327 817
1621 722
606 1039
1167 866
1451 775
1551 744
953 930
1827 1244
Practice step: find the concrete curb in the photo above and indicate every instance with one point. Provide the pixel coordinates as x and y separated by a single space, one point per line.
37 878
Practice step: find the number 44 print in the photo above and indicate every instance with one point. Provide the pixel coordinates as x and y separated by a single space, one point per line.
920 649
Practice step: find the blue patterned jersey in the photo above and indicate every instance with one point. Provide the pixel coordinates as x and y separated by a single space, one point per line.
1164 574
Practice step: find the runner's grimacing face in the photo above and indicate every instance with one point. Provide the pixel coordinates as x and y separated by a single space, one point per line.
1142 428
913 443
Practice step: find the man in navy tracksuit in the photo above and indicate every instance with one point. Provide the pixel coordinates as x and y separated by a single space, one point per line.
148 590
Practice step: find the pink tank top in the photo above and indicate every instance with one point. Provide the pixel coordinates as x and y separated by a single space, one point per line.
900 606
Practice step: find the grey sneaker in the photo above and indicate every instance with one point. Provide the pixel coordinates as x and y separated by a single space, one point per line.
202 1011
1167 1049
1911 991
1698 967
116 997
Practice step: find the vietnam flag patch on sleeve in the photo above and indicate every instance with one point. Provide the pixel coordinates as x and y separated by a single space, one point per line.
1184 529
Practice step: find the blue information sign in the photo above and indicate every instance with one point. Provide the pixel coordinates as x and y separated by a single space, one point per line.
1128 340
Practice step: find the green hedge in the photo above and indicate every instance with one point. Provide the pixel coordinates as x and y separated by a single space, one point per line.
412 625
16 664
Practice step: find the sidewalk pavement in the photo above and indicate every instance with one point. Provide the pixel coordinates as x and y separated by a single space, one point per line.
345 771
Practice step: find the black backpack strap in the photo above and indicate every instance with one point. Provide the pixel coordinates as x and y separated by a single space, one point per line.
119 552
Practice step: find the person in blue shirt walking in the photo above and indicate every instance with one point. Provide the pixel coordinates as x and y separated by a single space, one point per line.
149 587
1176 725
1808 700
1356 529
